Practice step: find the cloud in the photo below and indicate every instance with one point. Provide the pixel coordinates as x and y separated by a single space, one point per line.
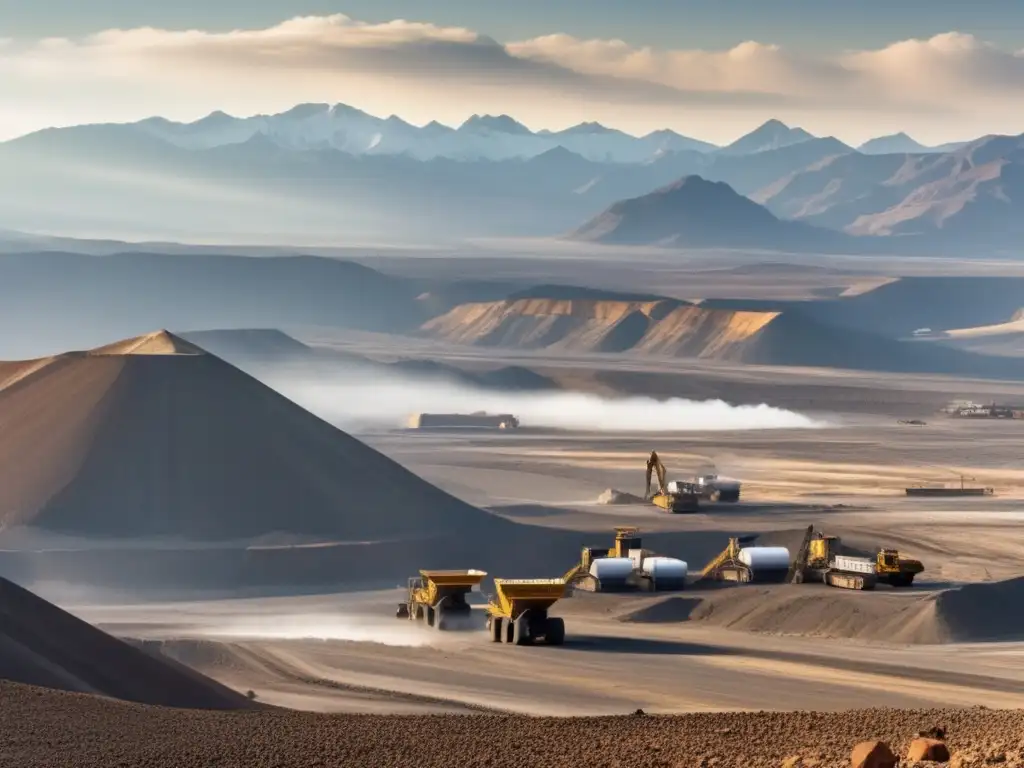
425 71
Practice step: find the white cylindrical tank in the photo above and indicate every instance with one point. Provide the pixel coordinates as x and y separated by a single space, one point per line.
765 558
665 568
611 569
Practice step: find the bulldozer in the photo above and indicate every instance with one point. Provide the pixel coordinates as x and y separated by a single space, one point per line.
677 497
819 559
438 598
745 564
517 614
626 566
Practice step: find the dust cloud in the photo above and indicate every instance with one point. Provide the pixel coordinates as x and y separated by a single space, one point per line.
322 626
365 402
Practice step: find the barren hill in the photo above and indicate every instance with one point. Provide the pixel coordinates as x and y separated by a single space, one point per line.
154 437
42 645
694 212
786 336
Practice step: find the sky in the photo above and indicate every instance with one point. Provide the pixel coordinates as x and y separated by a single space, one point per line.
711 69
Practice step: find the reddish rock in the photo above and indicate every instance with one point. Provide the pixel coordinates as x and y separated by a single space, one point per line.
932 750
873 754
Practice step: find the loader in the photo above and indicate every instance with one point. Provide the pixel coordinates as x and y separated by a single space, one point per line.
517 614
677 496
438 598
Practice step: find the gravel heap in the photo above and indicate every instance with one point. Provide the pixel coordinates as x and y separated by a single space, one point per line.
41 727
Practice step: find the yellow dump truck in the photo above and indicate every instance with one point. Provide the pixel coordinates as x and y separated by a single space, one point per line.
518 612
439 597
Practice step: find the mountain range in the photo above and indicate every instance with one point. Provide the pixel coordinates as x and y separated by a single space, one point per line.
696 213
319 173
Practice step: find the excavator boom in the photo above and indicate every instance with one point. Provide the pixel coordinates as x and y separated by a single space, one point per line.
654 465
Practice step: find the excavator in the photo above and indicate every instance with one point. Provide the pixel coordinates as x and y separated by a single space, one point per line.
819 559
676 497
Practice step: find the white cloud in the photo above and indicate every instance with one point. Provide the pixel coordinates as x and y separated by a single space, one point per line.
424 71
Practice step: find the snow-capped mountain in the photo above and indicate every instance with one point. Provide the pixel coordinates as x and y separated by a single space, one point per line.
481 137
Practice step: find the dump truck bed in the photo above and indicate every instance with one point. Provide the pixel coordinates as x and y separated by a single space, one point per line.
514 596
469 578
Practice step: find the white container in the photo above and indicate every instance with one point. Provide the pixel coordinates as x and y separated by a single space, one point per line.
765 558
665 568
611 569
636 557
853 564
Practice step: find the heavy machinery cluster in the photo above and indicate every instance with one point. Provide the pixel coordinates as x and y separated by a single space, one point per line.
518 613
685 496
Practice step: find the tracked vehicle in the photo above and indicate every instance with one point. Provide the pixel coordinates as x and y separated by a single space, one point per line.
819 559
677 496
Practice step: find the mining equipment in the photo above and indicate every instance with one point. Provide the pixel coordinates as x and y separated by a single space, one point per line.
476 420
946 491
676 496
626 567
745 564
819 560
438 597
518 612
714 488
912 422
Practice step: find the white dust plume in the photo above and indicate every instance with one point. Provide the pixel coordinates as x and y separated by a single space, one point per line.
363 402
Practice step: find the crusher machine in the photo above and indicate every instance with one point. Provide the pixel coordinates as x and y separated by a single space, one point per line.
626 567
745 564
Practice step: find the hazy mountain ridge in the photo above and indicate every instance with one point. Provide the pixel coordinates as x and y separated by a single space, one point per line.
225 178
481 137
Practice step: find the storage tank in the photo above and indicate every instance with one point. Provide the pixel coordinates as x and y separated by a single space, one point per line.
666 572
611 572
765 558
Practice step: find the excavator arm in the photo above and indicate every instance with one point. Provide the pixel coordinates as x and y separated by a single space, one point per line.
654 465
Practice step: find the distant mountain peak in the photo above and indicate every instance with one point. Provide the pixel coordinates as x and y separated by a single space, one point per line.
893 144
586 128
496 123
772 134
300 111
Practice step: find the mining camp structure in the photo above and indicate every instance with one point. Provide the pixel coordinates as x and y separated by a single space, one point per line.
476 420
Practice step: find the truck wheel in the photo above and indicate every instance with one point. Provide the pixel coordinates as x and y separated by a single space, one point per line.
494 625
429 610
521 631
403 611
508 628
555 632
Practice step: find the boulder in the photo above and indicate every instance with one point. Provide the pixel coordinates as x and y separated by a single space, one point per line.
873 754
932 750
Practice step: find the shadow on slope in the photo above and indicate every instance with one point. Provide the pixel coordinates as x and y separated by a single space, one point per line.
42 645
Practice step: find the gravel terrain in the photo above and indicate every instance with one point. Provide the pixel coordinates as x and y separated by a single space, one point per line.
39 727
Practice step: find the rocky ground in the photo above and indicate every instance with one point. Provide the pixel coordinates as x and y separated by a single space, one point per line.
40 727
